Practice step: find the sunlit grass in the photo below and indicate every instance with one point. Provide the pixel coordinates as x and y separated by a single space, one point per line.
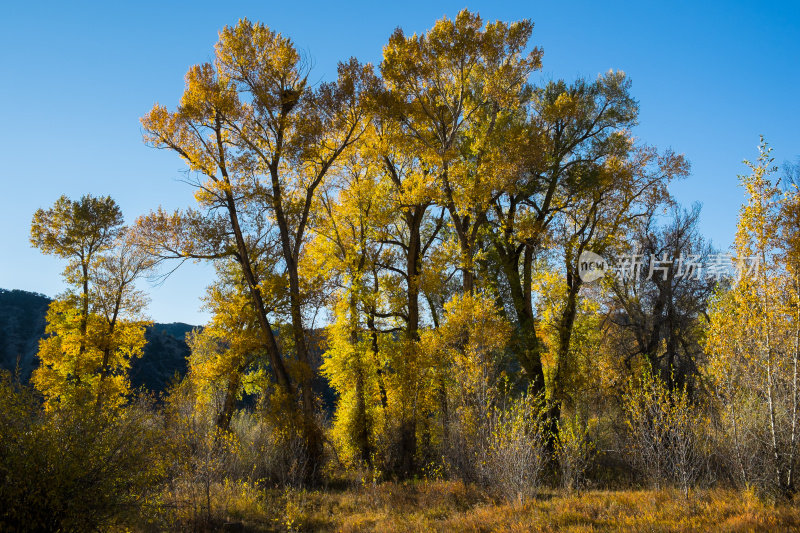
454 506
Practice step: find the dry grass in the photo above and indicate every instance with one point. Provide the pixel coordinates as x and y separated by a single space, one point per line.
453 506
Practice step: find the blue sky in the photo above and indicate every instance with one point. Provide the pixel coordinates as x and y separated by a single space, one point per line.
77 76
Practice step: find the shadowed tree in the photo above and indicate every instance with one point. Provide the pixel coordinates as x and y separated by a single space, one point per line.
569 128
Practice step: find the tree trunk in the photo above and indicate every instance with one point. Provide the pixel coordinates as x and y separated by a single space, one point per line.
231 392
565 327
105 367
525 343
373 334
361 430
414 221
311 430
271 345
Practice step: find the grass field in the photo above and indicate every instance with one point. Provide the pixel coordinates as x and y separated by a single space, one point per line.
455 507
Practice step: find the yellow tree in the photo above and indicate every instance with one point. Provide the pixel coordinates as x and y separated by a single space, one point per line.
118 307
409 237
228 352
617 193
78 231
569 129
448 97
295 136
222 229
373 232
465 353
754 332
453 90
469 343
263 142
348 221
97 327
408 240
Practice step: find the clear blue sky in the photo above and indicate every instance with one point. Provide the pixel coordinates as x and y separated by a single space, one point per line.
76 77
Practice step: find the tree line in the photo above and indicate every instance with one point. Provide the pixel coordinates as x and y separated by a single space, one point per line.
387 195
421 223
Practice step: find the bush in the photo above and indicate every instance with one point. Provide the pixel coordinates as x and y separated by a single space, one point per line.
213 471
518 454
74 469
501 448
665 430
268 454
574 452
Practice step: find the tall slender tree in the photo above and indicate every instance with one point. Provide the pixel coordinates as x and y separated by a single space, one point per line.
264 142
96 327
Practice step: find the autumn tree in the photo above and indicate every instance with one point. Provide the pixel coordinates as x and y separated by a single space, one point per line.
468 348
347 248
263 141
118 307
447 95
96 327
407 267
622 190
662 313
570 129
78 231
228 352
452 90
754 335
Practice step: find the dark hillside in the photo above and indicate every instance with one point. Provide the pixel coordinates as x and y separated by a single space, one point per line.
22 324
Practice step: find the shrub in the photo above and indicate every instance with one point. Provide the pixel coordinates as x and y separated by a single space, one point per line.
665 431
574 452
518 454
501 448
74 468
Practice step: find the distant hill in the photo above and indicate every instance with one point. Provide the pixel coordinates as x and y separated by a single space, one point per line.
22 323
21 326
